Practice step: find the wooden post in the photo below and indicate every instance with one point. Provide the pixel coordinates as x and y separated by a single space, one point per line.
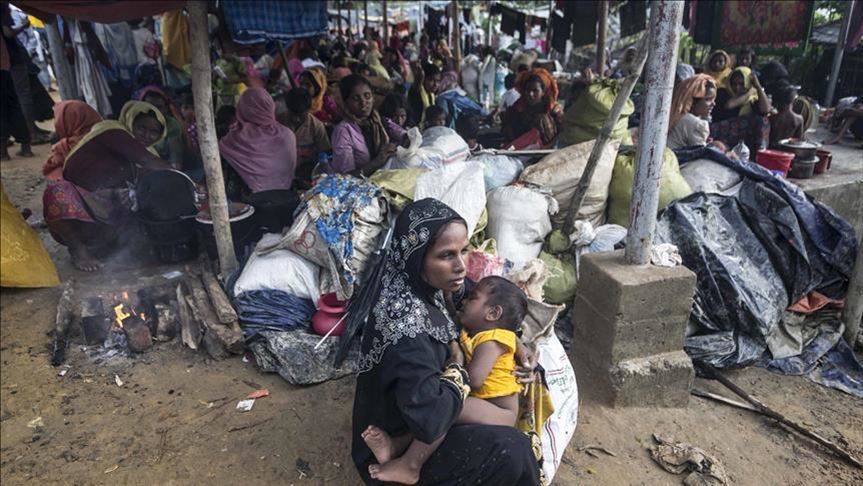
548 29
456 17
853 311
62 70
339 16
665 18
202 89
837 56
366 19
605 133
386 25
601 34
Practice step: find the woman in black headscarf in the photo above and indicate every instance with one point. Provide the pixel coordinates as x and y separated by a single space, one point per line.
406 386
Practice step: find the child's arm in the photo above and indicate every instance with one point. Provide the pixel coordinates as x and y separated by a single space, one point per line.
483 360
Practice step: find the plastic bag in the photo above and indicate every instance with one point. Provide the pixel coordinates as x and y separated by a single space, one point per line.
560 173
672 185
741 151
415 156
481 264
498 170
455 185
518 220
586 239
279 270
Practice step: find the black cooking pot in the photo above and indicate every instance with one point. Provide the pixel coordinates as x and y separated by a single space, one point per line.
274 210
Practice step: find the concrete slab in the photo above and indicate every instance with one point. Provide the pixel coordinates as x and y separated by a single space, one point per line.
841 187
662 380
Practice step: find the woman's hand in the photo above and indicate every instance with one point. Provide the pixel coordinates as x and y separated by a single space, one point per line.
455 354
525 364
753 79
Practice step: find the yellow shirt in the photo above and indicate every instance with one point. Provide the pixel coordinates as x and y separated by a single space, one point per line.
500 381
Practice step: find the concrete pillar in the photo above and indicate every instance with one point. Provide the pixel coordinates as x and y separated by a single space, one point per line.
629 323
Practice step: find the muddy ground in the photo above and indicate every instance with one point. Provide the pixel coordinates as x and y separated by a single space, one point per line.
173 420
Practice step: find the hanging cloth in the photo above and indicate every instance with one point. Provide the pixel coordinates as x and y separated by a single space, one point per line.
633 18
584 16
561 29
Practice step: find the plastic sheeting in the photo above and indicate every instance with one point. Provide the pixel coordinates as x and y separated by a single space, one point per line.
293 356
755 254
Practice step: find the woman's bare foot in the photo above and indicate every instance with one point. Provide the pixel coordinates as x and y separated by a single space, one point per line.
396 471
83 260
380 443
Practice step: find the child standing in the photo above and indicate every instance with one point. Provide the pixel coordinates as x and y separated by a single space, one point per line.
490 317
785 123
311 135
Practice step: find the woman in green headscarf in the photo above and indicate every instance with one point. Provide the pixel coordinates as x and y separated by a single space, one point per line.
89 205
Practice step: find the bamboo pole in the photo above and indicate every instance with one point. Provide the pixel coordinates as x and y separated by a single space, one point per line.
366 19
665 18
456 35
840 51
548 29
386 26
62 70
601 35
605 133
339 16
203 94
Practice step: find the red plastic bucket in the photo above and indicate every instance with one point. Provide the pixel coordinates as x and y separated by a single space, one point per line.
775 160
825 157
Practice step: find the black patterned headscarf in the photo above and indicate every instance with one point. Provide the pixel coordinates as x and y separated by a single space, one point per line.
407 306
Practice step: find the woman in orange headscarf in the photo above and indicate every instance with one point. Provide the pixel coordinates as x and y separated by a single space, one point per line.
72 121
536 110
314 81
691 104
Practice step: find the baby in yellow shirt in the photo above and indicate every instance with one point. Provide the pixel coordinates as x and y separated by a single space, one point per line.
489 320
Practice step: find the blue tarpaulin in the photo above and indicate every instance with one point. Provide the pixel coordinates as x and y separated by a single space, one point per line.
253 21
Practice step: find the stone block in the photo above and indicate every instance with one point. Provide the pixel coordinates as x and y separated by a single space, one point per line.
662 380
631 292
610 340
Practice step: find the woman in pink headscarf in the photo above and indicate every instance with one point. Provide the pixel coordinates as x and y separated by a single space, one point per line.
261 150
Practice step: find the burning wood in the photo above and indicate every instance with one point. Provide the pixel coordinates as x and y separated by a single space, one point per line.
137 334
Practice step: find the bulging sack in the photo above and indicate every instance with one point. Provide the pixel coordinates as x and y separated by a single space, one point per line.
584 119
672 185
455 185
518 220
279 270
560 173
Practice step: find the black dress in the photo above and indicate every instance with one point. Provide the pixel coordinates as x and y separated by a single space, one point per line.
401 388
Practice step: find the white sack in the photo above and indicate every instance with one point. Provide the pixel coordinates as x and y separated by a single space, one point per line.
280 270
455 185
518 220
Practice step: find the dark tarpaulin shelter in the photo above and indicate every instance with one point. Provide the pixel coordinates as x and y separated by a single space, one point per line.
102 11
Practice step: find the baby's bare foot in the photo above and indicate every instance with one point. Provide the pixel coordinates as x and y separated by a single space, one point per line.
380 443
395 471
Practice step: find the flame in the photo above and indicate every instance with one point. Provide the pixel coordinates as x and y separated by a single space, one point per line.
120 315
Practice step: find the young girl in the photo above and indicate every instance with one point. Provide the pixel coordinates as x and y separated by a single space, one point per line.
489 319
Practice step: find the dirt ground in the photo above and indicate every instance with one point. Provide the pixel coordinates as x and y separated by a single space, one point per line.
173 420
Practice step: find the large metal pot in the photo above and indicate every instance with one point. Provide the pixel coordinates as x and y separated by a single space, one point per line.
803 150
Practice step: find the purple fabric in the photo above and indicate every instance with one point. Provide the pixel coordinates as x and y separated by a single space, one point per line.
350 151
260 149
